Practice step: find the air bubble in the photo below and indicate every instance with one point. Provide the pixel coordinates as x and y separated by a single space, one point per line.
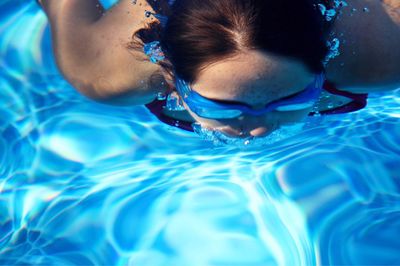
161 96
334 51
329 14
338 3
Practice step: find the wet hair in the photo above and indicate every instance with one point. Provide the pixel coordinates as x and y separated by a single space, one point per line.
202 32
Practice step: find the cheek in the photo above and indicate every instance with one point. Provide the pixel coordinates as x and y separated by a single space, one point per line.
291 117
213 124
271 118
207 123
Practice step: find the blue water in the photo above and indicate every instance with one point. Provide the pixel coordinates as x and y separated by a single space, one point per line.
84 183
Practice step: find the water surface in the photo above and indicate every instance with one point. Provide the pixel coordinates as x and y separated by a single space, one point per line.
85 183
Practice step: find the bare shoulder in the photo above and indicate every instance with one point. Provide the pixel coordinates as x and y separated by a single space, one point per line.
91 47
370 58
392 8
125 71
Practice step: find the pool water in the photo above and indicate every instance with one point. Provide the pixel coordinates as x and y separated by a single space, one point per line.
83 183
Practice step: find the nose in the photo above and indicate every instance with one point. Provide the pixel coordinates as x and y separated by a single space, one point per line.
254 130
259 127
260 131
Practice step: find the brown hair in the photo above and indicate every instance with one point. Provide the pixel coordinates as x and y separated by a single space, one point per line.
201 32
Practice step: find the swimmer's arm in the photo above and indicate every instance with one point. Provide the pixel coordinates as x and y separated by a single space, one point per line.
90 47
392 8
370 58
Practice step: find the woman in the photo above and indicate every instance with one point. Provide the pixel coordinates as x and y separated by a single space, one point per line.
240 67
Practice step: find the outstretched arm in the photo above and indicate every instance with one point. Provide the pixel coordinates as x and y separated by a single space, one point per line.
392 8
370 35
90 47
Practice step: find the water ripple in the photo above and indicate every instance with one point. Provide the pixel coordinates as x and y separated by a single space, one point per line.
85 183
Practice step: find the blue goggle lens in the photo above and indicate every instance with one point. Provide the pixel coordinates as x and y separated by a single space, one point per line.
214 110
217 114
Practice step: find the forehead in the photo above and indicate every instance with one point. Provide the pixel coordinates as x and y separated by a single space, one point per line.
252 77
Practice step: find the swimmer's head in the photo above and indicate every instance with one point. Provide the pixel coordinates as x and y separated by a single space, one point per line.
251 94
202 32
251 52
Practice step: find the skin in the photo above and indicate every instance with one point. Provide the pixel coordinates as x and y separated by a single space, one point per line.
370 59
90 48
252 85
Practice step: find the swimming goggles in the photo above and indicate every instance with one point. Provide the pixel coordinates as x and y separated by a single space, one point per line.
213 109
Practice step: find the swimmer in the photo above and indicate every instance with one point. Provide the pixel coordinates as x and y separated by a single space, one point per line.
243 68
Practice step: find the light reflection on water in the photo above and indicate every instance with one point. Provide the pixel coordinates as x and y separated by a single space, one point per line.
84 183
